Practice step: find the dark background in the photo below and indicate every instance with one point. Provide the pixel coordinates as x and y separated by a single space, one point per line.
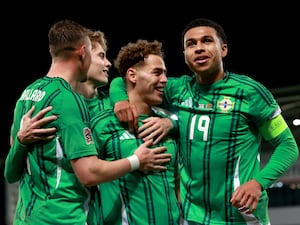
263 41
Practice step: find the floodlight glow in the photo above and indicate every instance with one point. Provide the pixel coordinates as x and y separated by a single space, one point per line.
296 122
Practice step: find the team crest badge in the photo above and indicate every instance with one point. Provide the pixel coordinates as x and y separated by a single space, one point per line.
225 104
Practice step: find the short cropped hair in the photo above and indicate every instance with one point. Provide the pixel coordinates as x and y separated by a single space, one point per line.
203 22
66 35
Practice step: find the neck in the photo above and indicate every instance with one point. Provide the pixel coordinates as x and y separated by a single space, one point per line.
86 89
68 70
141 106
210 78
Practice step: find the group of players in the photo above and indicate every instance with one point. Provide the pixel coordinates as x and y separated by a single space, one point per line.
83 157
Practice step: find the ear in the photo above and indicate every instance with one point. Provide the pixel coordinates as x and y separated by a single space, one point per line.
131 75
224 50
81 51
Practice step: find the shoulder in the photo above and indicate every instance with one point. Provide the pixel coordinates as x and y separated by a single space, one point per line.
259 97
248 84
103 118
182 78
179 82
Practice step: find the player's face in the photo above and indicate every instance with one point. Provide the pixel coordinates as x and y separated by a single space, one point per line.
151 79
98 71
203 50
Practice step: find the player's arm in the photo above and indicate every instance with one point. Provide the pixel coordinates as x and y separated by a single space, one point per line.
285 154
159 126
15 162
125 112
92 170
31 131
32 128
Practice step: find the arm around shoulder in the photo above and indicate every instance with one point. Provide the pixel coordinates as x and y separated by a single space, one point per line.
117 90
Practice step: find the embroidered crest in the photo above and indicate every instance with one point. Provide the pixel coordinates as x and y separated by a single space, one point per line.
225 104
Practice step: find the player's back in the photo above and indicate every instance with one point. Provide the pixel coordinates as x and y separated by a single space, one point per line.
49 183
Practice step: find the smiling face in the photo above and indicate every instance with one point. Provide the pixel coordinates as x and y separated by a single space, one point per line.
147 81
98 71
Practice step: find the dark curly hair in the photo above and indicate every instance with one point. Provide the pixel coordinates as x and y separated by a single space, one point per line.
135 53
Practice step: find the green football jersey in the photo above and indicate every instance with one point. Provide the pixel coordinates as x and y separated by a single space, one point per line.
99 103
136 198
95 106
219 144
49 191
221 127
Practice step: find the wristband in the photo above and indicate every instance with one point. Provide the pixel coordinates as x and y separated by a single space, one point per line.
134 162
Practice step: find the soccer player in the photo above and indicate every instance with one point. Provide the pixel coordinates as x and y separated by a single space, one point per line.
222 118
137 197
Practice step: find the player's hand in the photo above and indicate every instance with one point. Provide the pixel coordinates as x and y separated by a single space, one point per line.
152 159
126 113
154 128
32 127
246 196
